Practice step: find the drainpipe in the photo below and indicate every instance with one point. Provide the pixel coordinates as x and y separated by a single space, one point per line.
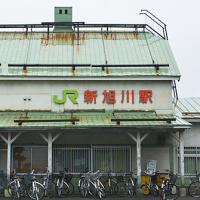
138 159
8 155
181 149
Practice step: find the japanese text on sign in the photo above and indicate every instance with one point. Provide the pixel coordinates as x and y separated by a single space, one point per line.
109 97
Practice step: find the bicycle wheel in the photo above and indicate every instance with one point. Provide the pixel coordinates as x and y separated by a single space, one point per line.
110 190
154 190
163 196
194 189
130 188
145 189
23 188
100 193
63 190
18 193
71 188
51 189
173 192
121 189
38 193
103 191
11 189
82 187
92 189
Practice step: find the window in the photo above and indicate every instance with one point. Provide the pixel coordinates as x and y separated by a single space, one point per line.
66 11
27 158
191 160
60 11
105 158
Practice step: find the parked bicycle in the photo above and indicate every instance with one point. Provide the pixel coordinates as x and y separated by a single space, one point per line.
98 185
169 191
194 187
126 184
151 187
85 186
35 190
62 187
14 186
109 184
68 178
49 185
90 184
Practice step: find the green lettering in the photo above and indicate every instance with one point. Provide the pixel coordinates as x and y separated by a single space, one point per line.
65 92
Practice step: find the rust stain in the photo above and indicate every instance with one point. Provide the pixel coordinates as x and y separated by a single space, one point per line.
126 36
72 38
115 36
107 70
24 118
157 72
73 72
24 72
78 48
74 118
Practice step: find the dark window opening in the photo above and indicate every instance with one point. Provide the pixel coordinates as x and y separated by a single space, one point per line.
60 11
66 11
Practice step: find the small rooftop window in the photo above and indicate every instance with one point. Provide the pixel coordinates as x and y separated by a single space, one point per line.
66 11
60 11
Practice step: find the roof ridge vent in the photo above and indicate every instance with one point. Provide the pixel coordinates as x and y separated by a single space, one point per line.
62 14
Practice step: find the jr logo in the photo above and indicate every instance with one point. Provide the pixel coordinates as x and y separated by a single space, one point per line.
73 97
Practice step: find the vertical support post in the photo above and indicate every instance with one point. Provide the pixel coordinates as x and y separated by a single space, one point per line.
181 149
138 159
8 155
91 158
50 152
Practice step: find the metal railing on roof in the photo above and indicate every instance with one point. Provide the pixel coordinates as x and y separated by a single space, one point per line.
157 21
157 66
78 25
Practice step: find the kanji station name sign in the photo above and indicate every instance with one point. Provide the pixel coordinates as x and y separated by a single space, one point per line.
106 96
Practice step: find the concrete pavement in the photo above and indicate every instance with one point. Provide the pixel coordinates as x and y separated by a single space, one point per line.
77 197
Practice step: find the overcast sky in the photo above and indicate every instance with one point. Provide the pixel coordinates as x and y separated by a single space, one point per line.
181 16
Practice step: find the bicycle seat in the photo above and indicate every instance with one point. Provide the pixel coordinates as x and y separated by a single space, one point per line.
33 179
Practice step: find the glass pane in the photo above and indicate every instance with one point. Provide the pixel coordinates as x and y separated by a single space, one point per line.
39 158
22 159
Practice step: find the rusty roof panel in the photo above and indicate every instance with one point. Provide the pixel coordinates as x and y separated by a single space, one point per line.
89 48
87 120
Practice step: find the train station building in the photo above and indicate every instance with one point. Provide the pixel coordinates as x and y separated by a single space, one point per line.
97 96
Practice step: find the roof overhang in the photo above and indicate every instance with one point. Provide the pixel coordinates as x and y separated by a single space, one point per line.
138 78
9 121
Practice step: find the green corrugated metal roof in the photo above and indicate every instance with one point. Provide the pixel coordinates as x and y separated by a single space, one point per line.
90 48
87 120
188 107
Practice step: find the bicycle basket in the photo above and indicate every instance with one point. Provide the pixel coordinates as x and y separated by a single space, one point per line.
68 177
93 176
173 178
27 178
119 178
